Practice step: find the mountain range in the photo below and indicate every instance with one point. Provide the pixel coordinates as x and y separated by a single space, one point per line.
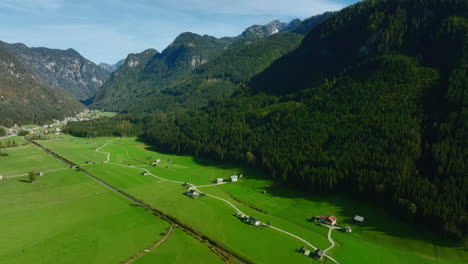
64 70
24 98
176 70
371 102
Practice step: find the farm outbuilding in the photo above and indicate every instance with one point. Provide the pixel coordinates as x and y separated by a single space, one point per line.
193 193
319 254
254 221
234 178
219 180
1 177
358 219
40 173
304 250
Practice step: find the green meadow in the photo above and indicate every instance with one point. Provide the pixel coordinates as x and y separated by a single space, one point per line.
19 140
68 218
180 248
382 239
23 159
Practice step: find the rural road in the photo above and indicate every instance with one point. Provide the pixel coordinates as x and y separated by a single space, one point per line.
108 154
226 201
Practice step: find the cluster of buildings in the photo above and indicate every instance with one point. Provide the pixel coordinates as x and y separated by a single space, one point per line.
318 254
248 219
233 178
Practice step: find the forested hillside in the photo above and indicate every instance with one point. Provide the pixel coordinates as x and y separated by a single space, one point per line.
219 78
373 102
64 70
195 70
24 99
186 53
115 92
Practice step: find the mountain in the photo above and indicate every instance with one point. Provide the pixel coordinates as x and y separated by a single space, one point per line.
261 31
178 69
276 26
64 70
372 103
24 99
111 67
218 78
188 52
114 93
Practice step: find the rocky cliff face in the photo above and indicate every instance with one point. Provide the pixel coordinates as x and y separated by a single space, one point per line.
24 98
64 70
276 26
262 31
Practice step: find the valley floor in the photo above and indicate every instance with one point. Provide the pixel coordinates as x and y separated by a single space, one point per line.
122 162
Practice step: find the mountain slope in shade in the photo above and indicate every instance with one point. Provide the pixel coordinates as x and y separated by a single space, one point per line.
167 75
111 67
25 99
151 73
114 94
64 70
220 77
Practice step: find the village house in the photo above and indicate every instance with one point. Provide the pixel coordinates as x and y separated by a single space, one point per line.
329 220
234 178
219 180
358 219
319 254
241 216
304 250
1 177
193 193
40 173
241 175
254 221
348 229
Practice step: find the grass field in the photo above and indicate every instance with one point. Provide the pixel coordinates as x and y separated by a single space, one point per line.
383 239
19 140
69 218
21 160
180 248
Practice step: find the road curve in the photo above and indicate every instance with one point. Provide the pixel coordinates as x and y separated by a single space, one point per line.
224 200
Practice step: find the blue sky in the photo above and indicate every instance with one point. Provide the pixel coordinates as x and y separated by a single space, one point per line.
108 30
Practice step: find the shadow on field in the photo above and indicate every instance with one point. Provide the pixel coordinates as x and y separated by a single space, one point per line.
26 181
379 216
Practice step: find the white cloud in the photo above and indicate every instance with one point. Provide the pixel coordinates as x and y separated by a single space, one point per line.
302 8
31 5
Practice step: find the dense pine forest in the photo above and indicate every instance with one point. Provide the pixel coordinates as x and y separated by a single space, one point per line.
372 102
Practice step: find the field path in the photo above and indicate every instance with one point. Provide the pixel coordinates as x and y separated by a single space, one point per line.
222 252
153 246
229 203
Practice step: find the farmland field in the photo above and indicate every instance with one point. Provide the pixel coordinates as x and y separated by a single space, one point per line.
69 218
180 248
383 238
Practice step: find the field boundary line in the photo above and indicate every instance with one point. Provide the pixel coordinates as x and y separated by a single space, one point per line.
145 251
232 205
222 252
